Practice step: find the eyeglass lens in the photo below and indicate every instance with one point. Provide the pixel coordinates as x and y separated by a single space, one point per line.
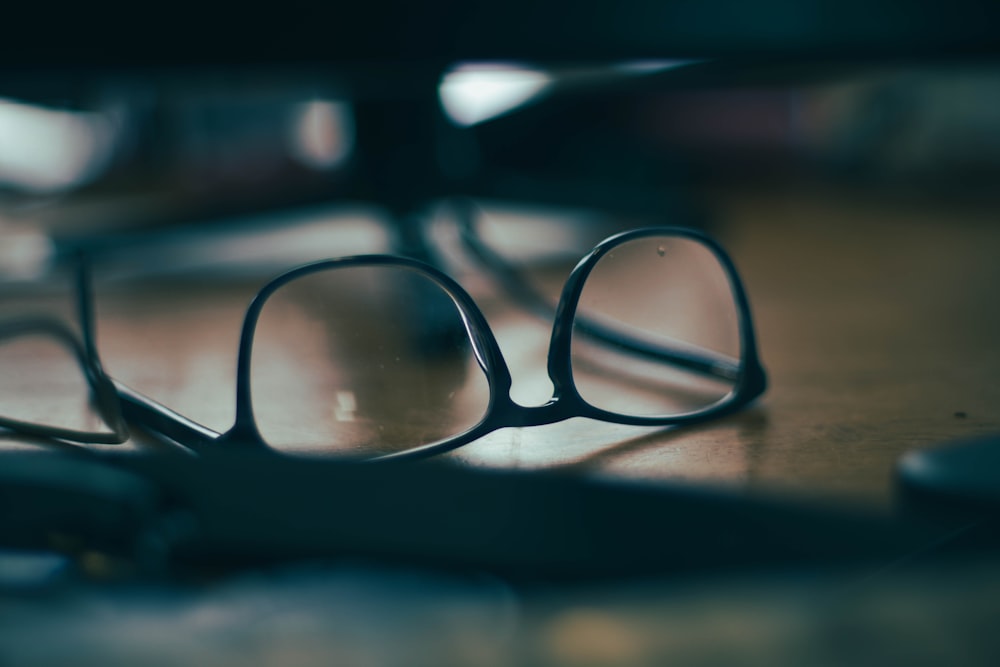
670 294
363 360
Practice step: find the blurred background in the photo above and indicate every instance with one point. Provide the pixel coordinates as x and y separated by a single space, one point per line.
110 132
127 157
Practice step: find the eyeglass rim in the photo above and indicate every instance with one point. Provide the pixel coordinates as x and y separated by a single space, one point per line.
484 343
752 379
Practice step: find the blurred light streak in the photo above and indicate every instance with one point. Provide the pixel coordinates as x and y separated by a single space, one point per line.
46 150
473 92
640 67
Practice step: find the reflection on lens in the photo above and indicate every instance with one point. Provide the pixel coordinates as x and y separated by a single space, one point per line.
364 360
657 330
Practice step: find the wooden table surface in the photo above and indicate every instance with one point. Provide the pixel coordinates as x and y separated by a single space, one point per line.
876 314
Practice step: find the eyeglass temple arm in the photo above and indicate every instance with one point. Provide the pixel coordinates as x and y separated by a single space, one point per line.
718 367
160 420
522 291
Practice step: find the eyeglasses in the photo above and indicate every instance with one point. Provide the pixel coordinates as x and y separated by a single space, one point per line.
385 357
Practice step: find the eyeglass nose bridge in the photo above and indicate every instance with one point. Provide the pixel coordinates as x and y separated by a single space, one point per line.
507 412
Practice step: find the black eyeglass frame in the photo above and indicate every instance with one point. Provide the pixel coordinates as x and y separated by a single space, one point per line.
502 411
